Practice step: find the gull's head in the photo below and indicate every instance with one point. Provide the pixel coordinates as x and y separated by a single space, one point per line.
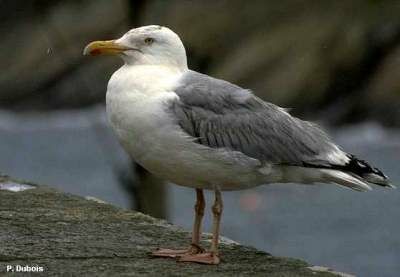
148 45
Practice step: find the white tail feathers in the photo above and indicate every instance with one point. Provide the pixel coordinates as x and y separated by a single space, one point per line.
345 179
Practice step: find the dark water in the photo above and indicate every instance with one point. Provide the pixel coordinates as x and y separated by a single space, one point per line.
325 225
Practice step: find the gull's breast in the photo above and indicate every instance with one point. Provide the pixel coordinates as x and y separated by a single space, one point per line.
153 139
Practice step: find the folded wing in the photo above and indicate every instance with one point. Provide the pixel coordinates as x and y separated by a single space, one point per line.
219 114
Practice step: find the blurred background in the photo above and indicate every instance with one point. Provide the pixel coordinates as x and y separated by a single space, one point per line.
333 62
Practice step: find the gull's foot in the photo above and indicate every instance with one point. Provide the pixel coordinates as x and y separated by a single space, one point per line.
174 253
201 258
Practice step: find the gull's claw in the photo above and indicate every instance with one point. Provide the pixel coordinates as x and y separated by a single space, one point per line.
201 258
175 253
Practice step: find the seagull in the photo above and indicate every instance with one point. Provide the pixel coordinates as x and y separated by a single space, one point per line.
205 133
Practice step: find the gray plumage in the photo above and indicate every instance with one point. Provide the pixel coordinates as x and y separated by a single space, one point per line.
220 114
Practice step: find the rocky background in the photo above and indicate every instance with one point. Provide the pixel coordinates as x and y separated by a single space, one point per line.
335 61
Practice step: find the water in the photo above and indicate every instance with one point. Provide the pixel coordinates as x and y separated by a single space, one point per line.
324 225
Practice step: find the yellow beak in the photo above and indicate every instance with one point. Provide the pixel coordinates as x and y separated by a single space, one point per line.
104 47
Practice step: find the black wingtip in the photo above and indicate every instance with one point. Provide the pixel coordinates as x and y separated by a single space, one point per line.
367 172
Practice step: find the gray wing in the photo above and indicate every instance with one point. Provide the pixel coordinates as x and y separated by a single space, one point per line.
222 115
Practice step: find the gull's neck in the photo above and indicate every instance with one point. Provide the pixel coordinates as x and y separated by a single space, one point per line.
147 80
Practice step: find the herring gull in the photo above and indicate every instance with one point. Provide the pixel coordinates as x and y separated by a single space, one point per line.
205 133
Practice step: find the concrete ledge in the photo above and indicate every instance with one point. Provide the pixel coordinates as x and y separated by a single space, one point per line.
70 235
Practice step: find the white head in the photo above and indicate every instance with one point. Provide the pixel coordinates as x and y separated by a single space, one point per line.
147 45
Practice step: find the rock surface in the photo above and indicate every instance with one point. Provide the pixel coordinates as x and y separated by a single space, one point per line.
71 235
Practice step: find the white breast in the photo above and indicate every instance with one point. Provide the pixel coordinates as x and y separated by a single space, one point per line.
135 98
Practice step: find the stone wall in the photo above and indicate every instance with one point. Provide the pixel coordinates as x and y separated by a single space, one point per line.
69 235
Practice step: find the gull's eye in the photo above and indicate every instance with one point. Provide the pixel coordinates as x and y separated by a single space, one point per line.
148 41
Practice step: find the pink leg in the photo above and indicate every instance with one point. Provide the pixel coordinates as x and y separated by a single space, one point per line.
195 246
212 256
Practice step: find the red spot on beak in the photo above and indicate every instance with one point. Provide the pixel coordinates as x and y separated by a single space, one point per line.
95 52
